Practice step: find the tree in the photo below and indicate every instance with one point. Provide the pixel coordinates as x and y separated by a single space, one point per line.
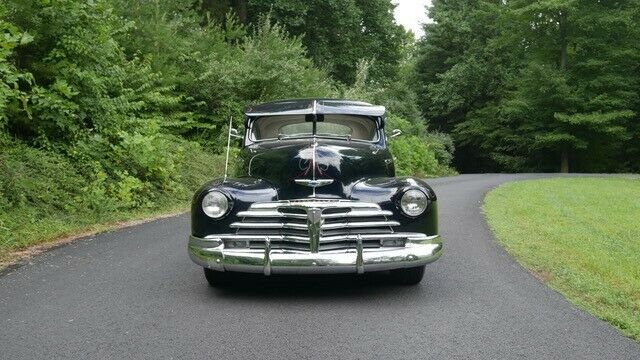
460 66
339 33
546 85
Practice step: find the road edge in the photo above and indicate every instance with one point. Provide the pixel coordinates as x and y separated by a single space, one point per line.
17 259
540 275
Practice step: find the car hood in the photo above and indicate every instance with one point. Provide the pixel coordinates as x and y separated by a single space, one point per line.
281 162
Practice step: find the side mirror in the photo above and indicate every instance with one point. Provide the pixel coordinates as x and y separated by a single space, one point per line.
395 133
234 133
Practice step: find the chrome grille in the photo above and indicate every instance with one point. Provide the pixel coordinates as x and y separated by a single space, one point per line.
292 225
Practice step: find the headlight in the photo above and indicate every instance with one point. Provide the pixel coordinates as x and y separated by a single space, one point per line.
414 202
215 204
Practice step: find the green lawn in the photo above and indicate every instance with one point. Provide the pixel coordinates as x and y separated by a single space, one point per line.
579 235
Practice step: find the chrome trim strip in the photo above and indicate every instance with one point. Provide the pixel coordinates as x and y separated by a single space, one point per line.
314 146
307 226
278 214
359 259
269 214
263 225
315 203
310 136
267 256
358 213
354 237
216 240
359 224
314 223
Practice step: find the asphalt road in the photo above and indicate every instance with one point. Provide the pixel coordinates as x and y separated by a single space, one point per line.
134 293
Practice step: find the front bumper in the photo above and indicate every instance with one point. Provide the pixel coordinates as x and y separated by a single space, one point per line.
210 252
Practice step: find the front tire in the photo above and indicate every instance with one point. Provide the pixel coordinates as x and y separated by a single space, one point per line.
217 278
408 276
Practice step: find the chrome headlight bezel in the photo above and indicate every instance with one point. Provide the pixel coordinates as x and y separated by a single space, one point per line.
213 197
413 196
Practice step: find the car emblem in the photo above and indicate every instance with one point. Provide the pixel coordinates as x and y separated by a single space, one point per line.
314 183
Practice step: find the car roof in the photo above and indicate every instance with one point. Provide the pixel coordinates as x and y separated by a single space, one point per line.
314 106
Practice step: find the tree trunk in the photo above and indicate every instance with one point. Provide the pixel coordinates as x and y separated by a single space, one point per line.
564 156
563 40
240 6
564 161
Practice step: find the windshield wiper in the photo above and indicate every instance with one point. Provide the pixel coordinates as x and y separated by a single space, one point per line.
345 136
290 136
332 136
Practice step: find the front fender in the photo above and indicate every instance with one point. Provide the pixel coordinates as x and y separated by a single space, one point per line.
243 192
387 191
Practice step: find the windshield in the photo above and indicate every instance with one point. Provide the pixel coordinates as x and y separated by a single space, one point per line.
291 126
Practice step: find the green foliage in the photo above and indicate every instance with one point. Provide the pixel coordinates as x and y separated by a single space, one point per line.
218 67
44 195
10 76
82 84
267 65
339 33
80 125
413 157
417 152
530 86
27 175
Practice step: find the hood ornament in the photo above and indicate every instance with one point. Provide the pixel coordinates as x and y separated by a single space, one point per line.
313 183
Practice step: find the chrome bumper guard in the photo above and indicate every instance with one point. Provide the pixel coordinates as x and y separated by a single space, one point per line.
210 252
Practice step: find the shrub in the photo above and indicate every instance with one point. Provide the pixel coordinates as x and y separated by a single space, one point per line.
408 128
413 157
442 145
43 194
417 149
33 177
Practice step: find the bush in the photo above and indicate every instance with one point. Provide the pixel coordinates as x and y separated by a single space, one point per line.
408 128
10 76
442 146
419 152
43 194
33 177
413 157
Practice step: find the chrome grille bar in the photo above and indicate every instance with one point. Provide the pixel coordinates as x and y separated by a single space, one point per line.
269 225
278 214
331 226
300 239
360 224
270 214
358 213
315 203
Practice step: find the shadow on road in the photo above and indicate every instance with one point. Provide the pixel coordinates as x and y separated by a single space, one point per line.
313 286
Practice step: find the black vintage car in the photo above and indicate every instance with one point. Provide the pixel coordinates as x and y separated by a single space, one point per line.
317 194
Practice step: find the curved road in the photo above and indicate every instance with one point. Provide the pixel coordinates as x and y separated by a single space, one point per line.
134 293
